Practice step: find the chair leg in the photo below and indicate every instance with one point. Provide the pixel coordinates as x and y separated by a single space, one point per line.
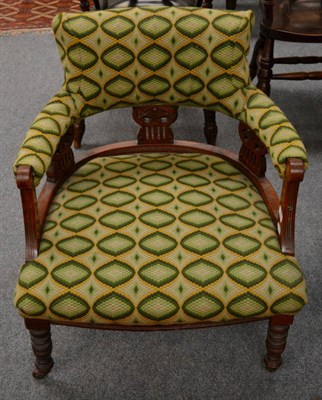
276 340
205 4
97 5
231 4
41 345
210 128
79 130
265 66
258 48
84 5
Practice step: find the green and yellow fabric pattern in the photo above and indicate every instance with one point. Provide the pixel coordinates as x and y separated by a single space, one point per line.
156 55
43 137
159 239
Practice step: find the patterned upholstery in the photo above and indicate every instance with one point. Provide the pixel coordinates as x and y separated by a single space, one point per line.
156 55
159 239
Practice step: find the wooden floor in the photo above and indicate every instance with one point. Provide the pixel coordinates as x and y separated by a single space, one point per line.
32 14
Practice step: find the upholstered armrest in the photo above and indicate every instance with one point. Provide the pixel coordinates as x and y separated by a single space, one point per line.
273 128
42 138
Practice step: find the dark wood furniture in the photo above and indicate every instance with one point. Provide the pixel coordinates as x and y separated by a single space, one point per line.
230 4
287 21
85 4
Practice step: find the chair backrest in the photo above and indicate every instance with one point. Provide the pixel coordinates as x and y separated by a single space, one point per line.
125 57
156 56
300 11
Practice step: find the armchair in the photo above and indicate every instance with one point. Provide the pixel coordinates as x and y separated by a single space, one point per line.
158 233
296 21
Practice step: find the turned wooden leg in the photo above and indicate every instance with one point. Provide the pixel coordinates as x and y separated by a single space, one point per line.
97 5
265 66
79 129
253 66
167 3
206 3
276 340
210 129
84 5
231 4
41 345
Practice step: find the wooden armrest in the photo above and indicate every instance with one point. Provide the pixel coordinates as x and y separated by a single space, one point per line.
25 182
286 217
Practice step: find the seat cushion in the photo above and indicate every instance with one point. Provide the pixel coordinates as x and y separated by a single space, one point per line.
159 239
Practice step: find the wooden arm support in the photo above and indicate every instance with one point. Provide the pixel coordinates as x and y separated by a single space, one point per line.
63 159
25 183
34 211
252 152
286 217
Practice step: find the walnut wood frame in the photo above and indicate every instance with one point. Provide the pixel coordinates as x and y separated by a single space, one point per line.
250 161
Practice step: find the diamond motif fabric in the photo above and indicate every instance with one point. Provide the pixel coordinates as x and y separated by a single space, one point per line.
156 55
117 248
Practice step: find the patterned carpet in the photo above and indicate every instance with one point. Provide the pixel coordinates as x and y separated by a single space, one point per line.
21 15
18 15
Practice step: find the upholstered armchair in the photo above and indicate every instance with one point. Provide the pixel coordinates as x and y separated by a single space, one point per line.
158 233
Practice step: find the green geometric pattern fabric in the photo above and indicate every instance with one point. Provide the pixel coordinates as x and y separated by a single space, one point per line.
45 133
273 128
156 55
159 239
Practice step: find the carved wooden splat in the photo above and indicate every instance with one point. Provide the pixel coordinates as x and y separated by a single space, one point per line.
252 152
155 124
63 158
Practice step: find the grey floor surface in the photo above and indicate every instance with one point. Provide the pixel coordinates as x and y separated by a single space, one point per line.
221 363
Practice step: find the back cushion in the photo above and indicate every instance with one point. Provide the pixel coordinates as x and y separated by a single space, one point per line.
125 57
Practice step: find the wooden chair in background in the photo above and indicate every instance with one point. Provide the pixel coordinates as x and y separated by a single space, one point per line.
287 21
230 4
